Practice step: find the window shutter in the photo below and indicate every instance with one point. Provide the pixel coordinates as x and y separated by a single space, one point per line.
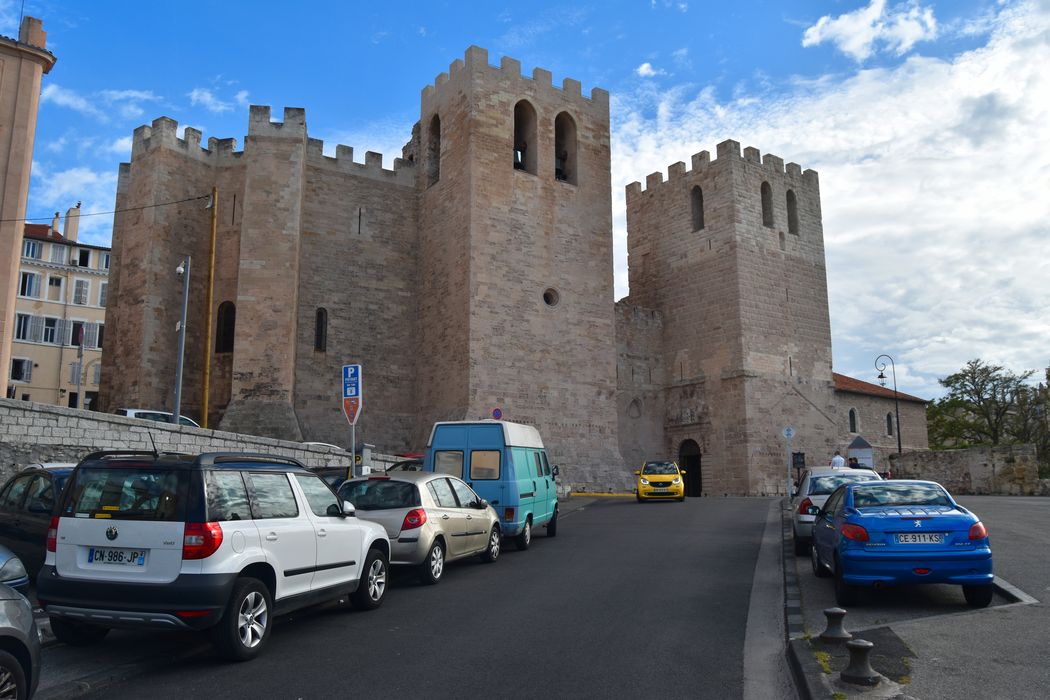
62 332
27 370
74 372
36 328
91 335
96 375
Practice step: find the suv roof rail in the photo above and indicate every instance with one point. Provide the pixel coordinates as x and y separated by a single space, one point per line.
209 458
103 454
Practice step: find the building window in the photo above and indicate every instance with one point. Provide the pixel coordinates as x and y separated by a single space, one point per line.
51 334
792 206
889 424
321 331
29 285
698 208
21 369
58 254
525 137
226 322
434 151
74 372
104 264
767 205
91 335
76 333
852 421
565 148
102 289
80 292
98 342
84 258
54 288
22 324
33 249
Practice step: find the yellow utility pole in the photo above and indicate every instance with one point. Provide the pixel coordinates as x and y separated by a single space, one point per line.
214 205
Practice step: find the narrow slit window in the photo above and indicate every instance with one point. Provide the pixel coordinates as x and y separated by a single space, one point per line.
525 137
698 208
321 331
852 421
767 205
889 424
434 151
226 321
792 207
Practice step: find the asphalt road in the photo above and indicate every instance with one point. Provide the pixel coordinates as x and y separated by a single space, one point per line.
630 600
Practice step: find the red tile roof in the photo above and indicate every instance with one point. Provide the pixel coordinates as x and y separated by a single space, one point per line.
39 232
856 386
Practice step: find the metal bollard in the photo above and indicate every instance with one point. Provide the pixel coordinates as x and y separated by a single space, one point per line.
835 633
859 671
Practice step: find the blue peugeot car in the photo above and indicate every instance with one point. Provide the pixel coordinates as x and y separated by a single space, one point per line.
885 533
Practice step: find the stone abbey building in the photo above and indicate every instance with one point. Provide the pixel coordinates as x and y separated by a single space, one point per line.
478 274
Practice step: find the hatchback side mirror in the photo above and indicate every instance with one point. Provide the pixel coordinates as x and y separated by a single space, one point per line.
812 510
637 472
681 471
481 504
348 509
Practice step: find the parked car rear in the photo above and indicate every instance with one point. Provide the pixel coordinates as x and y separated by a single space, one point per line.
26 502
813 490
19 646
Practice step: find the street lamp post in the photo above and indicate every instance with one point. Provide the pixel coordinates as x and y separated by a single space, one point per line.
183 271
896 403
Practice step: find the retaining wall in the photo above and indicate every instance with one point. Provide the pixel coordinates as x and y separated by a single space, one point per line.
1009 470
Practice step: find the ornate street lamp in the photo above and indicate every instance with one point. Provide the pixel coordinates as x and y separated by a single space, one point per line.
896 403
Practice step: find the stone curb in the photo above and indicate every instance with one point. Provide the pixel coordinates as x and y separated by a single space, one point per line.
804 667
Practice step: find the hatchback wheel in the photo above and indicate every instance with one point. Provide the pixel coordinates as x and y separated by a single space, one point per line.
372 586
525 538
434 565
801 545
12 678
76 633
492 551
845 594
245 626
978 596
819 570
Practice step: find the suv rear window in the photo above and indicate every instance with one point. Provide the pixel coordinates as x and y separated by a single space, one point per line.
128 493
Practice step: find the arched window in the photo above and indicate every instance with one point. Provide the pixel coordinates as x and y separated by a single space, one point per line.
565 148
434 151
525 137
852 421
792 204
225 323
889 424
698 208
321 330
767 205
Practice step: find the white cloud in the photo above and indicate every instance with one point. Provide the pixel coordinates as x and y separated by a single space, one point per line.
57 191
933 192
387 136
526 33
204 97
861 33
100 105
120 147
646 70
53 93
242 98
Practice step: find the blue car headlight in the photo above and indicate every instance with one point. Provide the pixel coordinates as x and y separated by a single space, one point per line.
12 570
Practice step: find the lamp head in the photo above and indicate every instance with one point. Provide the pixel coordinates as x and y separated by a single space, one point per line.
181 269
882 378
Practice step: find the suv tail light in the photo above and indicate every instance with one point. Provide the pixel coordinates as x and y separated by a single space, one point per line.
977 531
803 507
52 535
414 518
854 532
201 540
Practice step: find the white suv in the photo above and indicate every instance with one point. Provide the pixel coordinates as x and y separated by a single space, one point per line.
221 541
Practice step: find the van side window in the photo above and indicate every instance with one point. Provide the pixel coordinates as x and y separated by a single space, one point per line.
484 464
546 464
539 464
449 462
226 497
442 493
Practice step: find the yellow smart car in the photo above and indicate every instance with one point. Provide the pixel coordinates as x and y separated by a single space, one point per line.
657 480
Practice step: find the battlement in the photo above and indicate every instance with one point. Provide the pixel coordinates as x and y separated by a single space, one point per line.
293 126
477 59
163 133
404 172
728 150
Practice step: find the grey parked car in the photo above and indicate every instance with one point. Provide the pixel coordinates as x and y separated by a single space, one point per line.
813 491
430 518
19 646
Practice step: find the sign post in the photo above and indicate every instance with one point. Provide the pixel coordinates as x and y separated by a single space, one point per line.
789 433
353 399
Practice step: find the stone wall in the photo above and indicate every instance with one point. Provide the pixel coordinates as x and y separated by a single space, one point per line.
1009 470
32 432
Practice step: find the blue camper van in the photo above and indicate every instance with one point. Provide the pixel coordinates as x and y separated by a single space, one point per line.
505 463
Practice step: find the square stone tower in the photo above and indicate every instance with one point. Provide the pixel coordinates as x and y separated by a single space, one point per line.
516 258
730 255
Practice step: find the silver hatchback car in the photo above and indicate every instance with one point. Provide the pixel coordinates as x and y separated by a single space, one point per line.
813 491
430 518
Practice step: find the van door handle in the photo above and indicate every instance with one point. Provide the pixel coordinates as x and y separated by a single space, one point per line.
272 537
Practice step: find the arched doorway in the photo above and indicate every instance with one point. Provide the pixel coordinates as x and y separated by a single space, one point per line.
689 460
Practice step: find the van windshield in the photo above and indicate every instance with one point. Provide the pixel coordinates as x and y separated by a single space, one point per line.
127 493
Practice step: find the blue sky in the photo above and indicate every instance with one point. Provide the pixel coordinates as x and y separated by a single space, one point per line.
928 121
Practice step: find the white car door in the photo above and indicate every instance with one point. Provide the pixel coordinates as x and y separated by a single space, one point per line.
285 531
339 539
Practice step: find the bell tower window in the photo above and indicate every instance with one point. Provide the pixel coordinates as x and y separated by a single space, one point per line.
525 137
565 148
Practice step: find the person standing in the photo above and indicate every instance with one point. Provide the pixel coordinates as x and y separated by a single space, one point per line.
837 461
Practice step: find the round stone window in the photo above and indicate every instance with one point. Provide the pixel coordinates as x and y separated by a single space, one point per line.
550 297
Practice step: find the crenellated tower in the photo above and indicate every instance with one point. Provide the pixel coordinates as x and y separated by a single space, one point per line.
515 258
730 253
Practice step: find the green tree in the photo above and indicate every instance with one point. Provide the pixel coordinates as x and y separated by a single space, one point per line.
985 405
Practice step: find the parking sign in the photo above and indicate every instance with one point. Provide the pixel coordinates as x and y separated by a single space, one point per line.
353 395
